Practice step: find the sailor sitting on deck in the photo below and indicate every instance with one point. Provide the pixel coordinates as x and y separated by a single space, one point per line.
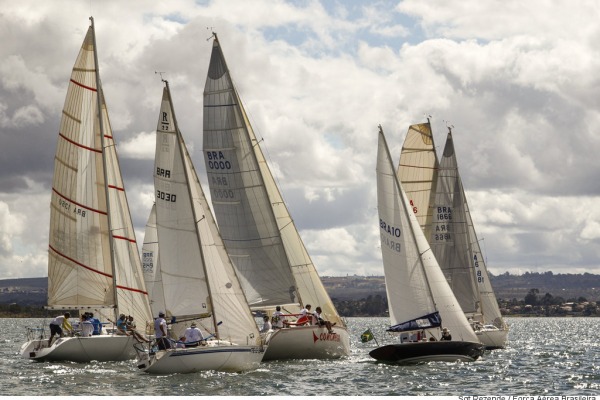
266 325
192 336
446 334
319 321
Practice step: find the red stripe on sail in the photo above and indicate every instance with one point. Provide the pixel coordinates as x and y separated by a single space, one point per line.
116 187
124 238
78 263
132 289
78 204
96 271
84 86
78 144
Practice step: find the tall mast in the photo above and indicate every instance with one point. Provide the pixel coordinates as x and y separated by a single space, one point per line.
180 141
100 98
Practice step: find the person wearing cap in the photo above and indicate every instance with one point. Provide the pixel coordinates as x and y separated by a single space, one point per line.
160 332
192 336
58 324
446 334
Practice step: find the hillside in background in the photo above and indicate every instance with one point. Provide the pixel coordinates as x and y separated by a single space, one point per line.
506 286
33 291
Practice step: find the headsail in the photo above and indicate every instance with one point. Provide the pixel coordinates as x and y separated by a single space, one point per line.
93 259
151 265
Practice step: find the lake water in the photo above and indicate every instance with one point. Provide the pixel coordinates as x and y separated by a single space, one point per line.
545 356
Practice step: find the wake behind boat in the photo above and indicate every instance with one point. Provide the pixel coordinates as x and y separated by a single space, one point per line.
93 259
197 283
419 297
261 238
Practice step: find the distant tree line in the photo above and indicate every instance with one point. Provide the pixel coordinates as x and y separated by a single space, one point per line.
372 306
532 304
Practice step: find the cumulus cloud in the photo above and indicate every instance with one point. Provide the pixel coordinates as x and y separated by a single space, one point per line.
516 81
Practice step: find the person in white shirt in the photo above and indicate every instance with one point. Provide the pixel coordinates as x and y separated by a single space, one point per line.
193 336
305 316
266 325
278 318
160 331
87 328
318 320
58 324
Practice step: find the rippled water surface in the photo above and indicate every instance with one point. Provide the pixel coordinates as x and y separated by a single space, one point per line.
545 356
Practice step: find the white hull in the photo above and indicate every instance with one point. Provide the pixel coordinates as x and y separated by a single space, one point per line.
215 356
493 339
81 349
307 342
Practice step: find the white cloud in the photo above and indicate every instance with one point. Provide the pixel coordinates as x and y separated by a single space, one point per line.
515 79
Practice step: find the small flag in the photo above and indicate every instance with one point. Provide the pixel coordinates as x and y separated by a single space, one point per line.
366 336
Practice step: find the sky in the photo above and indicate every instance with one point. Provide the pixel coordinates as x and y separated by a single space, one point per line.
518 81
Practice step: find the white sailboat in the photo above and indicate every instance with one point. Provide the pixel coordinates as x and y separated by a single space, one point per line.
419 298
455 245
199 283
258 231
93 259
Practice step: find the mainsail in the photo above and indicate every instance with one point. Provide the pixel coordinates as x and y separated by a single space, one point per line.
93 259
417 171
415 285
258 231
455 244
198 279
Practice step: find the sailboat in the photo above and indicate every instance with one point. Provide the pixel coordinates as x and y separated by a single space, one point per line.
93 259
456 247
197 279
421 303
272 262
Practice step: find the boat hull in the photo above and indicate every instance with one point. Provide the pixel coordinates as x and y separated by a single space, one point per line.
412 353
215 356
493 339
81 349
307 342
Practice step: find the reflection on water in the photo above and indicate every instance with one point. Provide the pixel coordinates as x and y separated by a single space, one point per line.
545 356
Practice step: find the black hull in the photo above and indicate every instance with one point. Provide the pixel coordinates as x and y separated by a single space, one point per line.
411 353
